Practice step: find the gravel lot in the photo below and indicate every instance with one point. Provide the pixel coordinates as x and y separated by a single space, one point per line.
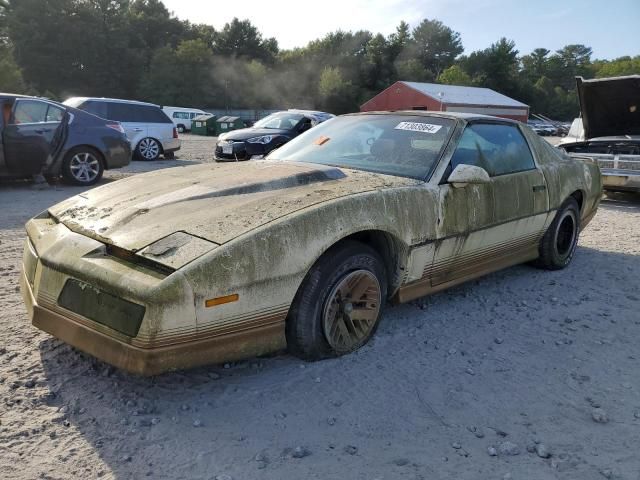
523 374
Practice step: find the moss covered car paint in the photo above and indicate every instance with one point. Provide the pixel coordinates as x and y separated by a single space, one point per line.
201 264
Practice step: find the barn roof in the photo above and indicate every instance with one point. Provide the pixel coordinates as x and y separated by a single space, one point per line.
454 94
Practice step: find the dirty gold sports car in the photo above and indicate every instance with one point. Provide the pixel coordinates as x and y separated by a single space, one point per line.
212 263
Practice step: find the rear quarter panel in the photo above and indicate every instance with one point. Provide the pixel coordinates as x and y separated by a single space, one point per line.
565 175
89 130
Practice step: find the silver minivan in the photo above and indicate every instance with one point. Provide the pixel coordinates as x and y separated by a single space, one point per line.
148 128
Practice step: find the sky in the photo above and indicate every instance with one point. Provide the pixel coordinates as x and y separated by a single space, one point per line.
610 28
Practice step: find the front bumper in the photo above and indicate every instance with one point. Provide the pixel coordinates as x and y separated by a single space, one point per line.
620 180
238 151
168 337
151 361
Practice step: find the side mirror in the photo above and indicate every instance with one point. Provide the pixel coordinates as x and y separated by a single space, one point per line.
464 175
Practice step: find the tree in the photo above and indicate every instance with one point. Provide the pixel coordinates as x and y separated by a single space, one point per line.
617 67
335 92
376 69
495 67
436 45
535 65
568 62
240 38
10 74
399 40
188 81
455 75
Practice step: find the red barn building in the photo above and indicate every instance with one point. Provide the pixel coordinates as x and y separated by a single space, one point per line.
447 98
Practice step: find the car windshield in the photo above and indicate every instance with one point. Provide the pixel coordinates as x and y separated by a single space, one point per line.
282 120
401 145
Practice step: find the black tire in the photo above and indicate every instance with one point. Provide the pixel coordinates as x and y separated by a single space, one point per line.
558 245
306 334
148 149
181 129
82 166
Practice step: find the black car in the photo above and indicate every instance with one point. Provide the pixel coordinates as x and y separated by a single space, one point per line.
39 136
266 135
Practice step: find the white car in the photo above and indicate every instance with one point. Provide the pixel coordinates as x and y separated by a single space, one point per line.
148 128
182 117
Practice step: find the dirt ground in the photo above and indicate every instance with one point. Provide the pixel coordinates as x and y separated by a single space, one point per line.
523 374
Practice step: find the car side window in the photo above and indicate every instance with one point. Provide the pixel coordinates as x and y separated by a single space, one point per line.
30 111
149 114
123 112
95 108
54 114
498 148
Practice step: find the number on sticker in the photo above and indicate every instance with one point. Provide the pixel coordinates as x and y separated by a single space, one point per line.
418 127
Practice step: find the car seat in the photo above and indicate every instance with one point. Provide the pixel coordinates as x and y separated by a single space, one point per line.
6 113
383 149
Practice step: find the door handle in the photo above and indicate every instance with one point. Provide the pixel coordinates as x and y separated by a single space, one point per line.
539 188
137 129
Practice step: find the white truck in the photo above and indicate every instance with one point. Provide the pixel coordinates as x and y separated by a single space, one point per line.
182 116
608 130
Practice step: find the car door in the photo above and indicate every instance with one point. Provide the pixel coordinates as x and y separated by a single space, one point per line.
159 125
31 135
490 226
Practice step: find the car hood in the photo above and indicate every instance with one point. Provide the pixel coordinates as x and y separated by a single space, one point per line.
610 106
245 133
211 203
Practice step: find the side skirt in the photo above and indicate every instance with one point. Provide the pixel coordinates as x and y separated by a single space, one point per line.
424 286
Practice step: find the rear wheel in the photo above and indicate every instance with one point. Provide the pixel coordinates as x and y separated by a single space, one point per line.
339 304
561 239
82 166
148 149
181 129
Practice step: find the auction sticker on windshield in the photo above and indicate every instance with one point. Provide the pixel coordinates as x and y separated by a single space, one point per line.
418 127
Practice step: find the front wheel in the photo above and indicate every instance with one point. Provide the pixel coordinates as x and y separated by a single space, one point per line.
82 166
339 304
561 239
181 129
148 149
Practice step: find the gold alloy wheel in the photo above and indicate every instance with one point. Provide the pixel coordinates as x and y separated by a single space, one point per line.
351 310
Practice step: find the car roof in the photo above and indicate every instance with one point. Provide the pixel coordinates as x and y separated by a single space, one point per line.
186 109
114 100
452 115
17 95
13 95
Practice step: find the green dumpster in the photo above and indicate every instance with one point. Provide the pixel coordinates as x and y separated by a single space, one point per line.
204 125
228 123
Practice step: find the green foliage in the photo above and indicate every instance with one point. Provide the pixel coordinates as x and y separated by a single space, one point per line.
10 75
455 75
436 46
618 67
240 38
335 92
138 49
